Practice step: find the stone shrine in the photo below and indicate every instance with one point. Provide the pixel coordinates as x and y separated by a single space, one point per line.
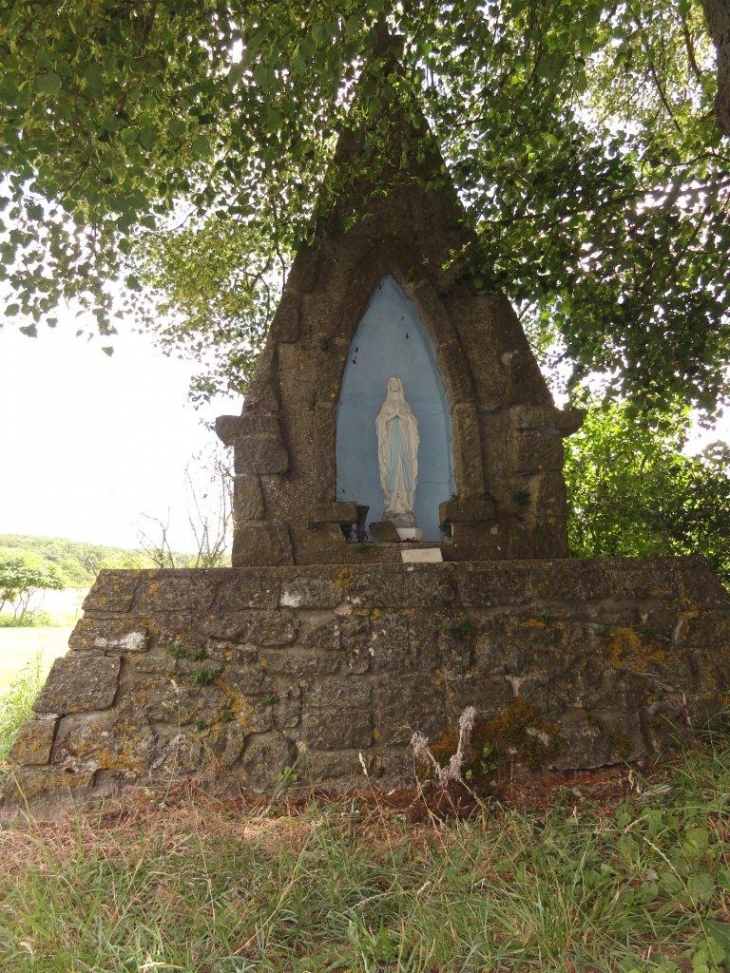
397 415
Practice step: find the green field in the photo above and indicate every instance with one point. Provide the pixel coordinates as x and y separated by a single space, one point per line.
21 647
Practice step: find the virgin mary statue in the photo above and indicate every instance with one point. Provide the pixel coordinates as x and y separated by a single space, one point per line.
397 431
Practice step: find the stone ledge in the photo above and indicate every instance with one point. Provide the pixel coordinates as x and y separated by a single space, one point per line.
244 667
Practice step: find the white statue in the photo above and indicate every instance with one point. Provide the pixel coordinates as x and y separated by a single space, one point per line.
397 431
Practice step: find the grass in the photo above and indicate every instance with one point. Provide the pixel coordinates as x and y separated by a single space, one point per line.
16 704
40 619
179 881
20 648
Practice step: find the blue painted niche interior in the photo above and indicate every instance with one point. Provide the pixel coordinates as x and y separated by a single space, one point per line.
391 340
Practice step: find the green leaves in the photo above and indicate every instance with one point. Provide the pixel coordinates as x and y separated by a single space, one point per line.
48 84
583 148
634 492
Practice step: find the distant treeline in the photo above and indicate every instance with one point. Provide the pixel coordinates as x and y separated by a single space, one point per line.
79 563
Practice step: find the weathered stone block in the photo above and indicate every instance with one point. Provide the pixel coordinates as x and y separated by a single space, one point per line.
309 589
337 716
323 634
414 586
87 681
467 510
455 367
229 428
250 679
113 591
248 500
490 695
705 629
528 416
389 643
154 700
158 662
423 635
538 450
334 765
232 626
241 590
384 532
301 663
34 742
457 652
333 513
87 743
468 466
253 424
265 759
174 590
261 455
110 634
29 784
323 451
288 707
697 584
285 326
232 653
322 544
272 628
261 543
402 705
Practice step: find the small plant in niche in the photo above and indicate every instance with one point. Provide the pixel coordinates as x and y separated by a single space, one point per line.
461 628
323 341
522 498
202 676
178 651
445 528
270 699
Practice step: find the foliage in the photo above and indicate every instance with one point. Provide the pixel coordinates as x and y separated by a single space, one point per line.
180 146
633 491
195 884
21 576
16 706
77 562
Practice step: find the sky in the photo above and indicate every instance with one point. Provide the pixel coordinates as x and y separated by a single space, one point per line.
92 446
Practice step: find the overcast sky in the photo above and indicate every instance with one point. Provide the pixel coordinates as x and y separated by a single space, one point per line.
91 443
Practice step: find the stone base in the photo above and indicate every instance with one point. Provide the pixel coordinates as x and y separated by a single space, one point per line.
242 676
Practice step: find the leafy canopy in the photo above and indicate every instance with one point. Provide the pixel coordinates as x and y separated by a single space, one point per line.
21 575
177 147
634 493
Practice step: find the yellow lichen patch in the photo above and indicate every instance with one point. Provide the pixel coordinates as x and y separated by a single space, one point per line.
239 706
626 648
534 623
344 579
518 735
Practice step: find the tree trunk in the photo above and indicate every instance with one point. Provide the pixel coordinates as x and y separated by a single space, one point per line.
717 14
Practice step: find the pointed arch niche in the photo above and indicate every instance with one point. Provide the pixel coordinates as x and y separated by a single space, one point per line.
391 340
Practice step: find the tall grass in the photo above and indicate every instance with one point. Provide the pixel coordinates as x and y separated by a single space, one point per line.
16 705
182 882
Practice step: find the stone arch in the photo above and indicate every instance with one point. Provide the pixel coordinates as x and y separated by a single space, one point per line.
392 259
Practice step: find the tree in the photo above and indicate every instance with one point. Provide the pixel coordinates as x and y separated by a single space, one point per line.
634 492
21 576
209 492
178 146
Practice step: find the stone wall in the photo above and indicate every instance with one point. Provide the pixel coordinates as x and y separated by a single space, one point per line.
236 675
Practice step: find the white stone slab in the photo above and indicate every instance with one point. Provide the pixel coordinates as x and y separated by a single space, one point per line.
422 555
